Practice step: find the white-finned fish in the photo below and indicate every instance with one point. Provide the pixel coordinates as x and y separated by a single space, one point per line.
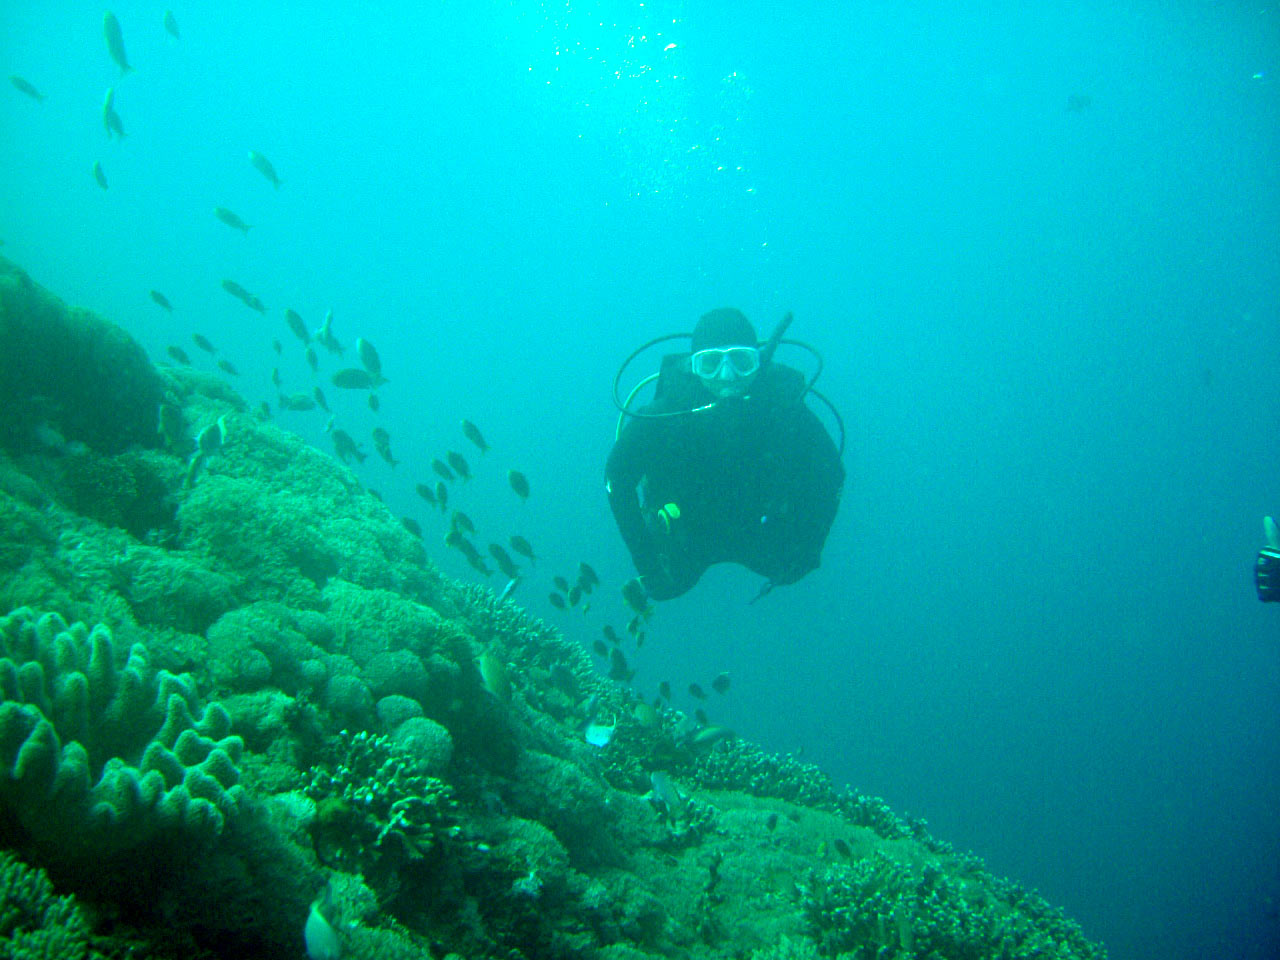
231 219
264 167
98 175
170 24
115 41
25 86
319 936
110 119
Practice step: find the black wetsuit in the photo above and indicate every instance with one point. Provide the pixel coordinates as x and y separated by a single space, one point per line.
756 480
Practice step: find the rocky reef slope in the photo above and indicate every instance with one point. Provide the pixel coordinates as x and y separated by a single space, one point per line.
238 700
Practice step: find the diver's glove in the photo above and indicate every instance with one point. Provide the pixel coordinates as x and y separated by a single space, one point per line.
1266 571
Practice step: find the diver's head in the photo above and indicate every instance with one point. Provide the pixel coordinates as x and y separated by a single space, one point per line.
726 354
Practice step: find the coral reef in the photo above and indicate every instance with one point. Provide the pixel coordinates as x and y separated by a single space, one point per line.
248 690
67 376
95 757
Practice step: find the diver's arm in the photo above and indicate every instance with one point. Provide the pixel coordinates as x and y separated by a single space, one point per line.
623 471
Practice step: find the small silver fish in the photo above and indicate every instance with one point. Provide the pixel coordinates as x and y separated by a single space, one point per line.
509 589
264 167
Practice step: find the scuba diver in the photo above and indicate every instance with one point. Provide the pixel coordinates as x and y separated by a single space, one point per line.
1266 571
726 464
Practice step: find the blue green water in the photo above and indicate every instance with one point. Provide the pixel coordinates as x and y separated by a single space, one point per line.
1053 334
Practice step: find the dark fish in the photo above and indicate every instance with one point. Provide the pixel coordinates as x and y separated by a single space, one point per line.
442 470
459 464
633 625
312 360
771 824
411 525
275 377
618 669
179 354
575 595
426 493
243 295
110 119
442 496
472 433
264 167
264 410
610 634
721 683
561 584
277 346
522 546
294 319
25 87
587 576
115 41
170 24
370 360
374 403
345 446
479 566
382 443
637 599
351 378
203 343
231 219
297 402
598 646
697 692
842 848
460 521
160 300
664 689
321 402
557 600
519 483
99 177
503 559
325 337
229 368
